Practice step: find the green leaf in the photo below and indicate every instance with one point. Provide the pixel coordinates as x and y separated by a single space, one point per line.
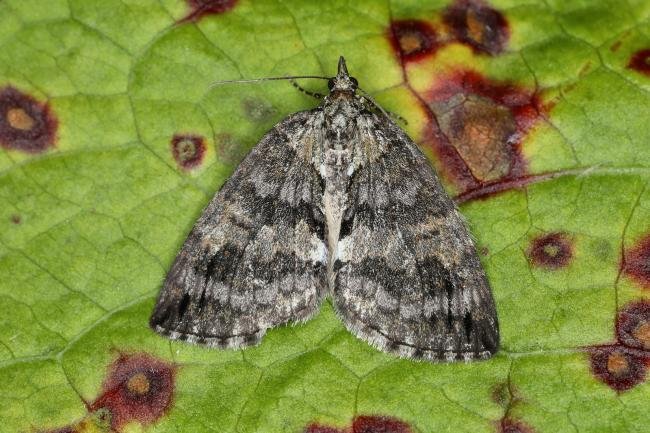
90 224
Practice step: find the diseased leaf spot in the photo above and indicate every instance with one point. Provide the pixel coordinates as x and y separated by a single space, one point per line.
640 61
477 129
18 119
514 426
551 251
138 384
412 39
642 334
257 110
25 124
615 46
379 424
16 219
478 25
633 325
481 131
317 428
188 150
636 262
364 424
139 388
620 368
201 8
229 150
617 364
501 394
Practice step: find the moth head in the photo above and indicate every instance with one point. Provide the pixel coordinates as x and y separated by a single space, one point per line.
342 82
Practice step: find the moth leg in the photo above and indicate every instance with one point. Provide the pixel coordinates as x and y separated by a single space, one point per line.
372 106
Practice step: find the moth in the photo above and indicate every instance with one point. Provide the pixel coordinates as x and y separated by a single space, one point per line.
335 201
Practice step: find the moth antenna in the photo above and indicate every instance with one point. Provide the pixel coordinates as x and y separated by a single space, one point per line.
256 80
305 91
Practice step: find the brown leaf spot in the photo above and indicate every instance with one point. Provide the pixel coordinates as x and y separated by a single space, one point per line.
615 46
476 129
636 262
480 130
138 388
633 325
617 364
16 219
620 368
478 25
551 251
642 334
640 61
201 8
138 384
188 150
25 124
19 119
412 39
501 394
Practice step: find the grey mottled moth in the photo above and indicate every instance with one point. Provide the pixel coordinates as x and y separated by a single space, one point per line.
334 201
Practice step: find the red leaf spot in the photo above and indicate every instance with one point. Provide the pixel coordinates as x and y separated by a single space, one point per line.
640 61
138 388
478 25
25 124
617 366
379 424
551 251
477 128
412 39
636 262
365 424
188 150
633 325
512 426
201 8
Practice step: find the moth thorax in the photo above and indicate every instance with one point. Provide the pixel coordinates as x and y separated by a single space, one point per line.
334 168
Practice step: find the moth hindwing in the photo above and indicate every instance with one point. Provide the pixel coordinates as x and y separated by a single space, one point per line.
333 201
